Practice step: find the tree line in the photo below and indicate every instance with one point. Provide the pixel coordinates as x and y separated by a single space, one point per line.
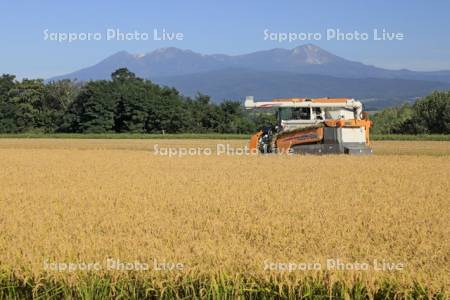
429 115
125 103
128 104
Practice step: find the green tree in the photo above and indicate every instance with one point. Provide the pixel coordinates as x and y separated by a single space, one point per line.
92 110
7 109
391 120
58 97
432 114
131 101
165 113
25 102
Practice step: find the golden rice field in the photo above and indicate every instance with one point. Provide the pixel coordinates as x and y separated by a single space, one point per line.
222 226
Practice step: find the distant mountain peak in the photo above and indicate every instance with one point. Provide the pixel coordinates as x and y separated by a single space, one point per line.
122 53
139 55
119 57
169 50
166 49
308 47
312 54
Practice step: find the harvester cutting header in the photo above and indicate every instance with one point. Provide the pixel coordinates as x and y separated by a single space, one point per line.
313 126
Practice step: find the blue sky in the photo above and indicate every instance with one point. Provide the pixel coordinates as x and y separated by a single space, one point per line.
231 27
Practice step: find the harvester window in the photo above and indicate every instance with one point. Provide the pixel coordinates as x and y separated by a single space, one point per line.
301 113
318 113
295 113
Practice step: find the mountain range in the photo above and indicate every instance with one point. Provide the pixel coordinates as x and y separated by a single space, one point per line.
304 71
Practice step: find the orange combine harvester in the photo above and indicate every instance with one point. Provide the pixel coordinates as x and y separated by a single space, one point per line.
313 126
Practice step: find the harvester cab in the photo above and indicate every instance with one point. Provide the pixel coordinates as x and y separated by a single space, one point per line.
313 126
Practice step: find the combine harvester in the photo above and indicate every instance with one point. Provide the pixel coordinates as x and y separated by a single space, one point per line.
313 126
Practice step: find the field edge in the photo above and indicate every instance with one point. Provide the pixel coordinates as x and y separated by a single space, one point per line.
207 136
